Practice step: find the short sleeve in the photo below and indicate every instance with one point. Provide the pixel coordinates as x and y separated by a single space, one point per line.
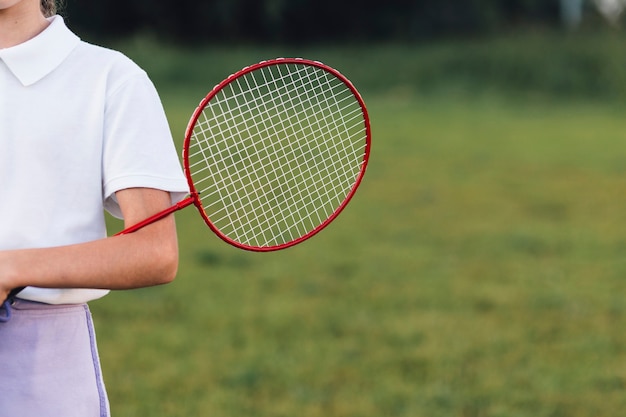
138 150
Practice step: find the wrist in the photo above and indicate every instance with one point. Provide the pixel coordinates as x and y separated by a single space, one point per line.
10 277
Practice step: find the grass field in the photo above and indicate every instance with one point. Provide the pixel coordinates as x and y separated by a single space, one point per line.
479 271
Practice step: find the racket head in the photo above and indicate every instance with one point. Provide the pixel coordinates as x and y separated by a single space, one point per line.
276 151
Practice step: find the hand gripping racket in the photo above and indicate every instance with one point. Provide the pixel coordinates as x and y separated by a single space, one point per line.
274 153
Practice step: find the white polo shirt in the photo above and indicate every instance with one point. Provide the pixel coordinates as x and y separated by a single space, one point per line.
77 123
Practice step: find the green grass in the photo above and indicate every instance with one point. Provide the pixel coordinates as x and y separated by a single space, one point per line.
479 271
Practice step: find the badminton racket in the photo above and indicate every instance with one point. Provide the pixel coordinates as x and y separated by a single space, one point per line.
274 153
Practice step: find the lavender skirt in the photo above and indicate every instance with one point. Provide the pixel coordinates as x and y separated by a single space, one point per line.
49 364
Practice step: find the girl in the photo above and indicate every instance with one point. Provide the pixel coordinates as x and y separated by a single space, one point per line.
81 130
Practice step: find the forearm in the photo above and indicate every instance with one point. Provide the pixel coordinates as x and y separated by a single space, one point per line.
146 257
141 259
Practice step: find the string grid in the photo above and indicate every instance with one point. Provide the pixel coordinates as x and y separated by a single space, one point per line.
276 152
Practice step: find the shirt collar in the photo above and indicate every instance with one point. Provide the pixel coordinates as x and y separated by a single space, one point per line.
34 59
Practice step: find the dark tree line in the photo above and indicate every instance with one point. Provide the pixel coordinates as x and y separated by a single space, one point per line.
306 20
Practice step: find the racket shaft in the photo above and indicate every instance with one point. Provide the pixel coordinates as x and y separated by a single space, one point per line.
178 206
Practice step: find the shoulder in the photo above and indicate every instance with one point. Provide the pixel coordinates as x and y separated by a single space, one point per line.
100 56
105 64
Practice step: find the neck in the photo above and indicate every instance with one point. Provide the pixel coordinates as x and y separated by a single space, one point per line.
20 23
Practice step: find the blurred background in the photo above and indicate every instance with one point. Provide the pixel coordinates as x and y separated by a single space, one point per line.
479 270
299 21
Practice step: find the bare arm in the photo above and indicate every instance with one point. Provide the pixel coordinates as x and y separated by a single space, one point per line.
146 257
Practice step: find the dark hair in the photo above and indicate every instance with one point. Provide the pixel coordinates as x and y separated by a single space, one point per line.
49 7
